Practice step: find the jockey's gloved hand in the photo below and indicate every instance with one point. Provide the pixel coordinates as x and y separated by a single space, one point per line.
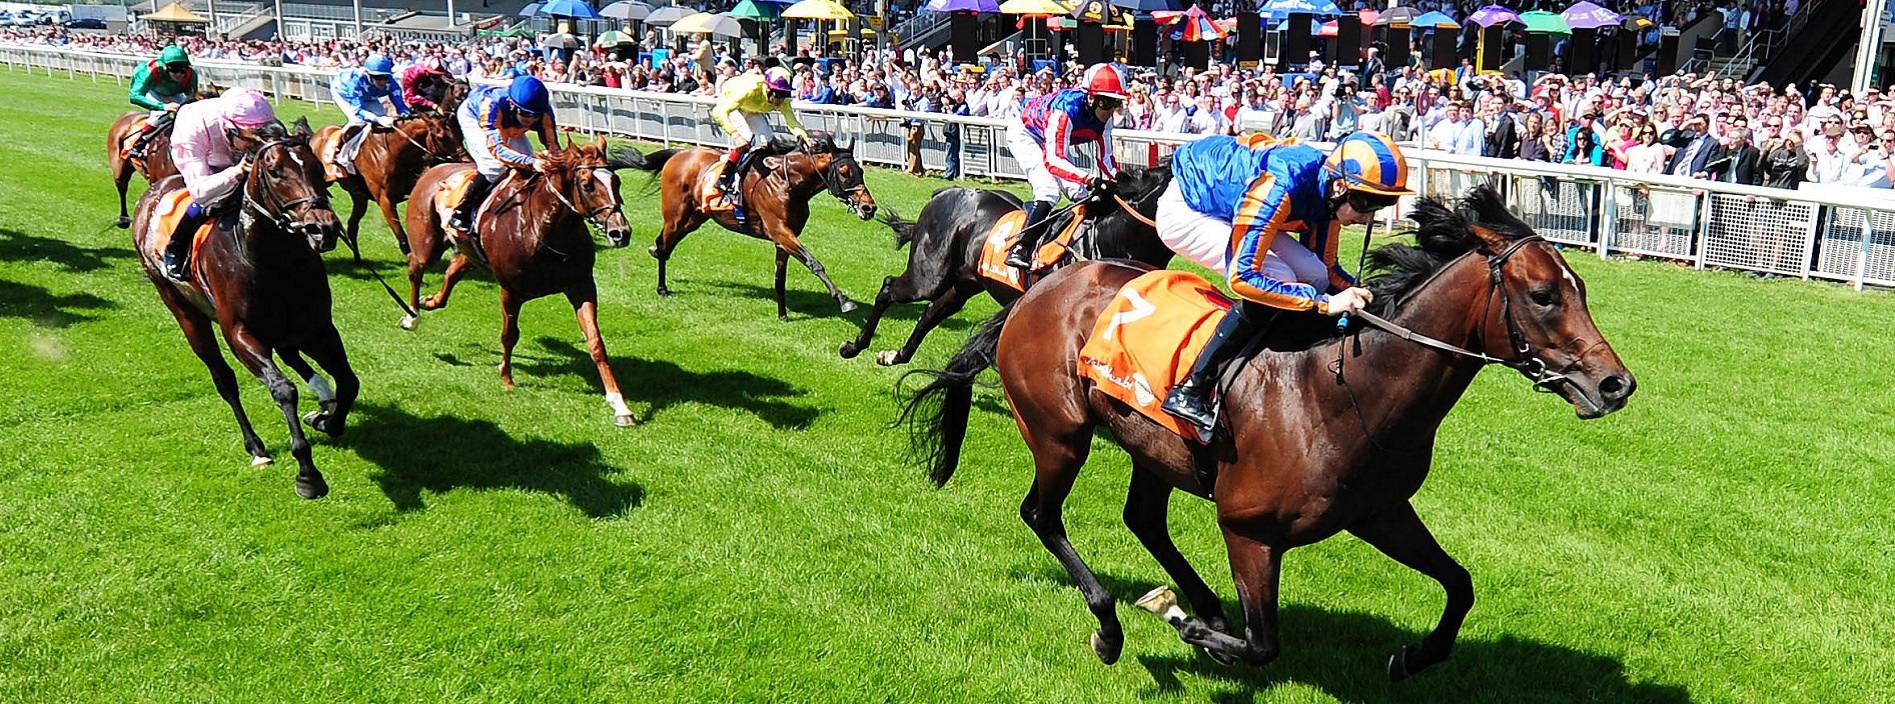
1349 301
385 121
759 141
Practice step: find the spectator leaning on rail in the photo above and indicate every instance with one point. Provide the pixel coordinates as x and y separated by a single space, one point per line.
739 111
212 171
1048 127
360 92
495 121
162 86
1231 207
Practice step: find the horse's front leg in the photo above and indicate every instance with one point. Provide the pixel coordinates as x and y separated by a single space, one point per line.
788 243
334 403
1256 568
1400 534
386 202
585 304
255 356
782 274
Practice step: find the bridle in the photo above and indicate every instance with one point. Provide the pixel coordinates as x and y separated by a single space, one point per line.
832 180
592 216
281 215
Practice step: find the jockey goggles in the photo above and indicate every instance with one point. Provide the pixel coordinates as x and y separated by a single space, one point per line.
178 67
1365 202
1106 102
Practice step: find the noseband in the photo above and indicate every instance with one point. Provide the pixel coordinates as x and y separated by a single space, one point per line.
592 216
832 179
280 214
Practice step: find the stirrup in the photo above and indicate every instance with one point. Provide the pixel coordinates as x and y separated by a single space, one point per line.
177 268
1186 402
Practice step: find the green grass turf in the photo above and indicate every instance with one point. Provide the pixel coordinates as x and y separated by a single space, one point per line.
1724 539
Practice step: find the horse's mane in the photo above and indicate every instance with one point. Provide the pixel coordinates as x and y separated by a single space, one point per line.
1444 232
1135 183
575 156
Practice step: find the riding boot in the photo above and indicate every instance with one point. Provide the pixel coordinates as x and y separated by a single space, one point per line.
1021 256
463 219
151 129
1191 399
177 251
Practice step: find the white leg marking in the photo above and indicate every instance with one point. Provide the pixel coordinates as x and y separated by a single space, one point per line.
320 386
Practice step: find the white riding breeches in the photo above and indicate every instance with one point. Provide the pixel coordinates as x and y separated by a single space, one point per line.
1032 160
1201 238
162 98
482 152
750 127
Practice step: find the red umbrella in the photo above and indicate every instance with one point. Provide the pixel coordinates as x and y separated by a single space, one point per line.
1196 26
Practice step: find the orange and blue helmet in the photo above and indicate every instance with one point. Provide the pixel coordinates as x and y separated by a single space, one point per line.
1369 162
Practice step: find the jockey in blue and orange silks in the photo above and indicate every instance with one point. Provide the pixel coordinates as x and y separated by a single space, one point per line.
1233 206
1049 125
495 121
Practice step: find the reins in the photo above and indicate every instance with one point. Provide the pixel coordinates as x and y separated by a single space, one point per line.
281 219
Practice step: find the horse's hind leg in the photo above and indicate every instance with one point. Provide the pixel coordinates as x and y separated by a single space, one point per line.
1058 455
199 332
456 267
509 334
883 299
938 310
782 273
1147 507
677 225
585 304
122 177
255 356
387 203
355 216
334 404
1400 534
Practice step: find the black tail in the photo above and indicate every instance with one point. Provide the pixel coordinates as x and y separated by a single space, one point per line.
936 415
623 157
904 230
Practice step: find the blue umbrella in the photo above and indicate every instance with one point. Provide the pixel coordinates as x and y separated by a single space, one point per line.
1433 19
1149 5
576 9
530 10
1285 8
989 6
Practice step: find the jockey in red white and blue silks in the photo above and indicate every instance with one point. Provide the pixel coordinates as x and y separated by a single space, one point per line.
360 92
495 121
1235 205
1049 126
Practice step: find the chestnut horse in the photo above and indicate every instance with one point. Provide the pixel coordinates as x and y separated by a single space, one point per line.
776 196
533 231
155 166
1313 452
391 160
260 277
947 240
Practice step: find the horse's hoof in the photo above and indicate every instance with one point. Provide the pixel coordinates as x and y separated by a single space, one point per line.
1224 659
783 317
653 251
311 487
849 350
888 358
124 223
312 419
847 305
626 420
1398 665
262 461
1107 651
662 291
408 322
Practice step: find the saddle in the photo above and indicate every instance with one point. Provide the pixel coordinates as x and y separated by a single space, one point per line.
451 191
711 198
131 138
168 213
1145 342
1006 231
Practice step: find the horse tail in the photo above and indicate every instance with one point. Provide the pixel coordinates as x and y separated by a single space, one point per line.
904 229
629 158
936 415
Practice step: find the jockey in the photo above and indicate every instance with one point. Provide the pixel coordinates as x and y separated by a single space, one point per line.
416 79
359 92
212 170
495 121
162 86
739 111
1048 126
1232 206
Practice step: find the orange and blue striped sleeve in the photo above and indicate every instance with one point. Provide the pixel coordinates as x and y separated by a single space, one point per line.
1263 214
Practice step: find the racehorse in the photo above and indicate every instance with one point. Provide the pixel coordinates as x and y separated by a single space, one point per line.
259 275
155 166
946 242
776 197
534 236
1329 432
391 160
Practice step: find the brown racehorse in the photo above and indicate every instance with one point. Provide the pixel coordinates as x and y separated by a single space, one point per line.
946 242
260 277
776 195
155 166
533 231
1329 433
391 161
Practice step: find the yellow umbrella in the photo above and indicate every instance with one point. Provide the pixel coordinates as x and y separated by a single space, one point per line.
1033 7
693 24
818 10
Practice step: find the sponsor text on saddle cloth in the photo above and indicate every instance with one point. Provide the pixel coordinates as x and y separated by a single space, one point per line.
1146 340
993 257
170 210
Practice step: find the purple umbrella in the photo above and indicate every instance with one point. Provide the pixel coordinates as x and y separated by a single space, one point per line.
1585 15
989 6
1492 15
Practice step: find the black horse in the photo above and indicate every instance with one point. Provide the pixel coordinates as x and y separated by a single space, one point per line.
947 238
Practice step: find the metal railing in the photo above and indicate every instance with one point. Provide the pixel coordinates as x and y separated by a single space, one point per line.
1836 233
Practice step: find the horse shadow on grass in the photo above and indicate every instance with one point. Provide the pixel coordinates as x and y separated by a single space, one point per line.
817 304
16 246
1345 654
659 385
48 309
436 455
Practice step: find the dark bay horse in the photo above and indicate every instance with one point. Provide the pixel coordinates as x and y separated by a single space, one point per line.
946 240
776 194
260 277
1330 433
155 166
533 230
391 161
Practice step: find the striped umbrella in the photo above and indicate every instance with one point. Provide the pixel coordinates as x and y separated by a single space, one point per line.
1195 26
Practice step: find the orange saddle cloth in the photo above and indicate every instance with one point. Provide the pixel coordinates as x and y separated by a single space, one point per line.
169 213
1006 231
1147 339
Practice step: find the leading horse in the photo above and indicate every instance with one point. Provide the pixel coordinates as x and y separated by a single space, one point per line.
533 232
1329 433
776 196
946 242
259 275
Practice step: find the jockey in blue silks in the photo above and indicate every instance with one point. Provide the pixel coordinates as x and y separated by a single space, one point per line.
1236 205
1049 125
495 121
360 92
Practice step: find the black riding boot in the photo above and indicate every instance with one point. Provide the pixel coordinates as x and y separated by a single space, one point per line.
1191 398
152 128
1021 256
177 252
477 191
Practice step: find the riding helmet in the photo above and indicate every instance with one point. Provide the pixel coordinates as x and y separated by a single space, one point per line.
1369 162
379 65
173 56
529 96
1105 80
777 79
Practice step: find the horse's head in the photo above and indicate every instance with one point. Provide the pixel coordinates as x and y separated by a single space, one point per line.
450 91
285 186
842 174
435 134
586 183
1524 305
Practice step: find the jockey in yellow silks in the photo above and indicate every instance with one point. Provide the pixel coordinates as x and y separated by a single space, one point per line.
739 111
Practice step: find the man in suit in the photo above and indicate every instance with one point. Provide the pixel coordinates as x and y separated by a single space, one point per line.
1736 159
1695 149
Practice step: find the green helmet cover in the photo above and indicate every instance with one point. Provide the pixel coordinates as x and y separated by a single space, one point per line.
174 54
